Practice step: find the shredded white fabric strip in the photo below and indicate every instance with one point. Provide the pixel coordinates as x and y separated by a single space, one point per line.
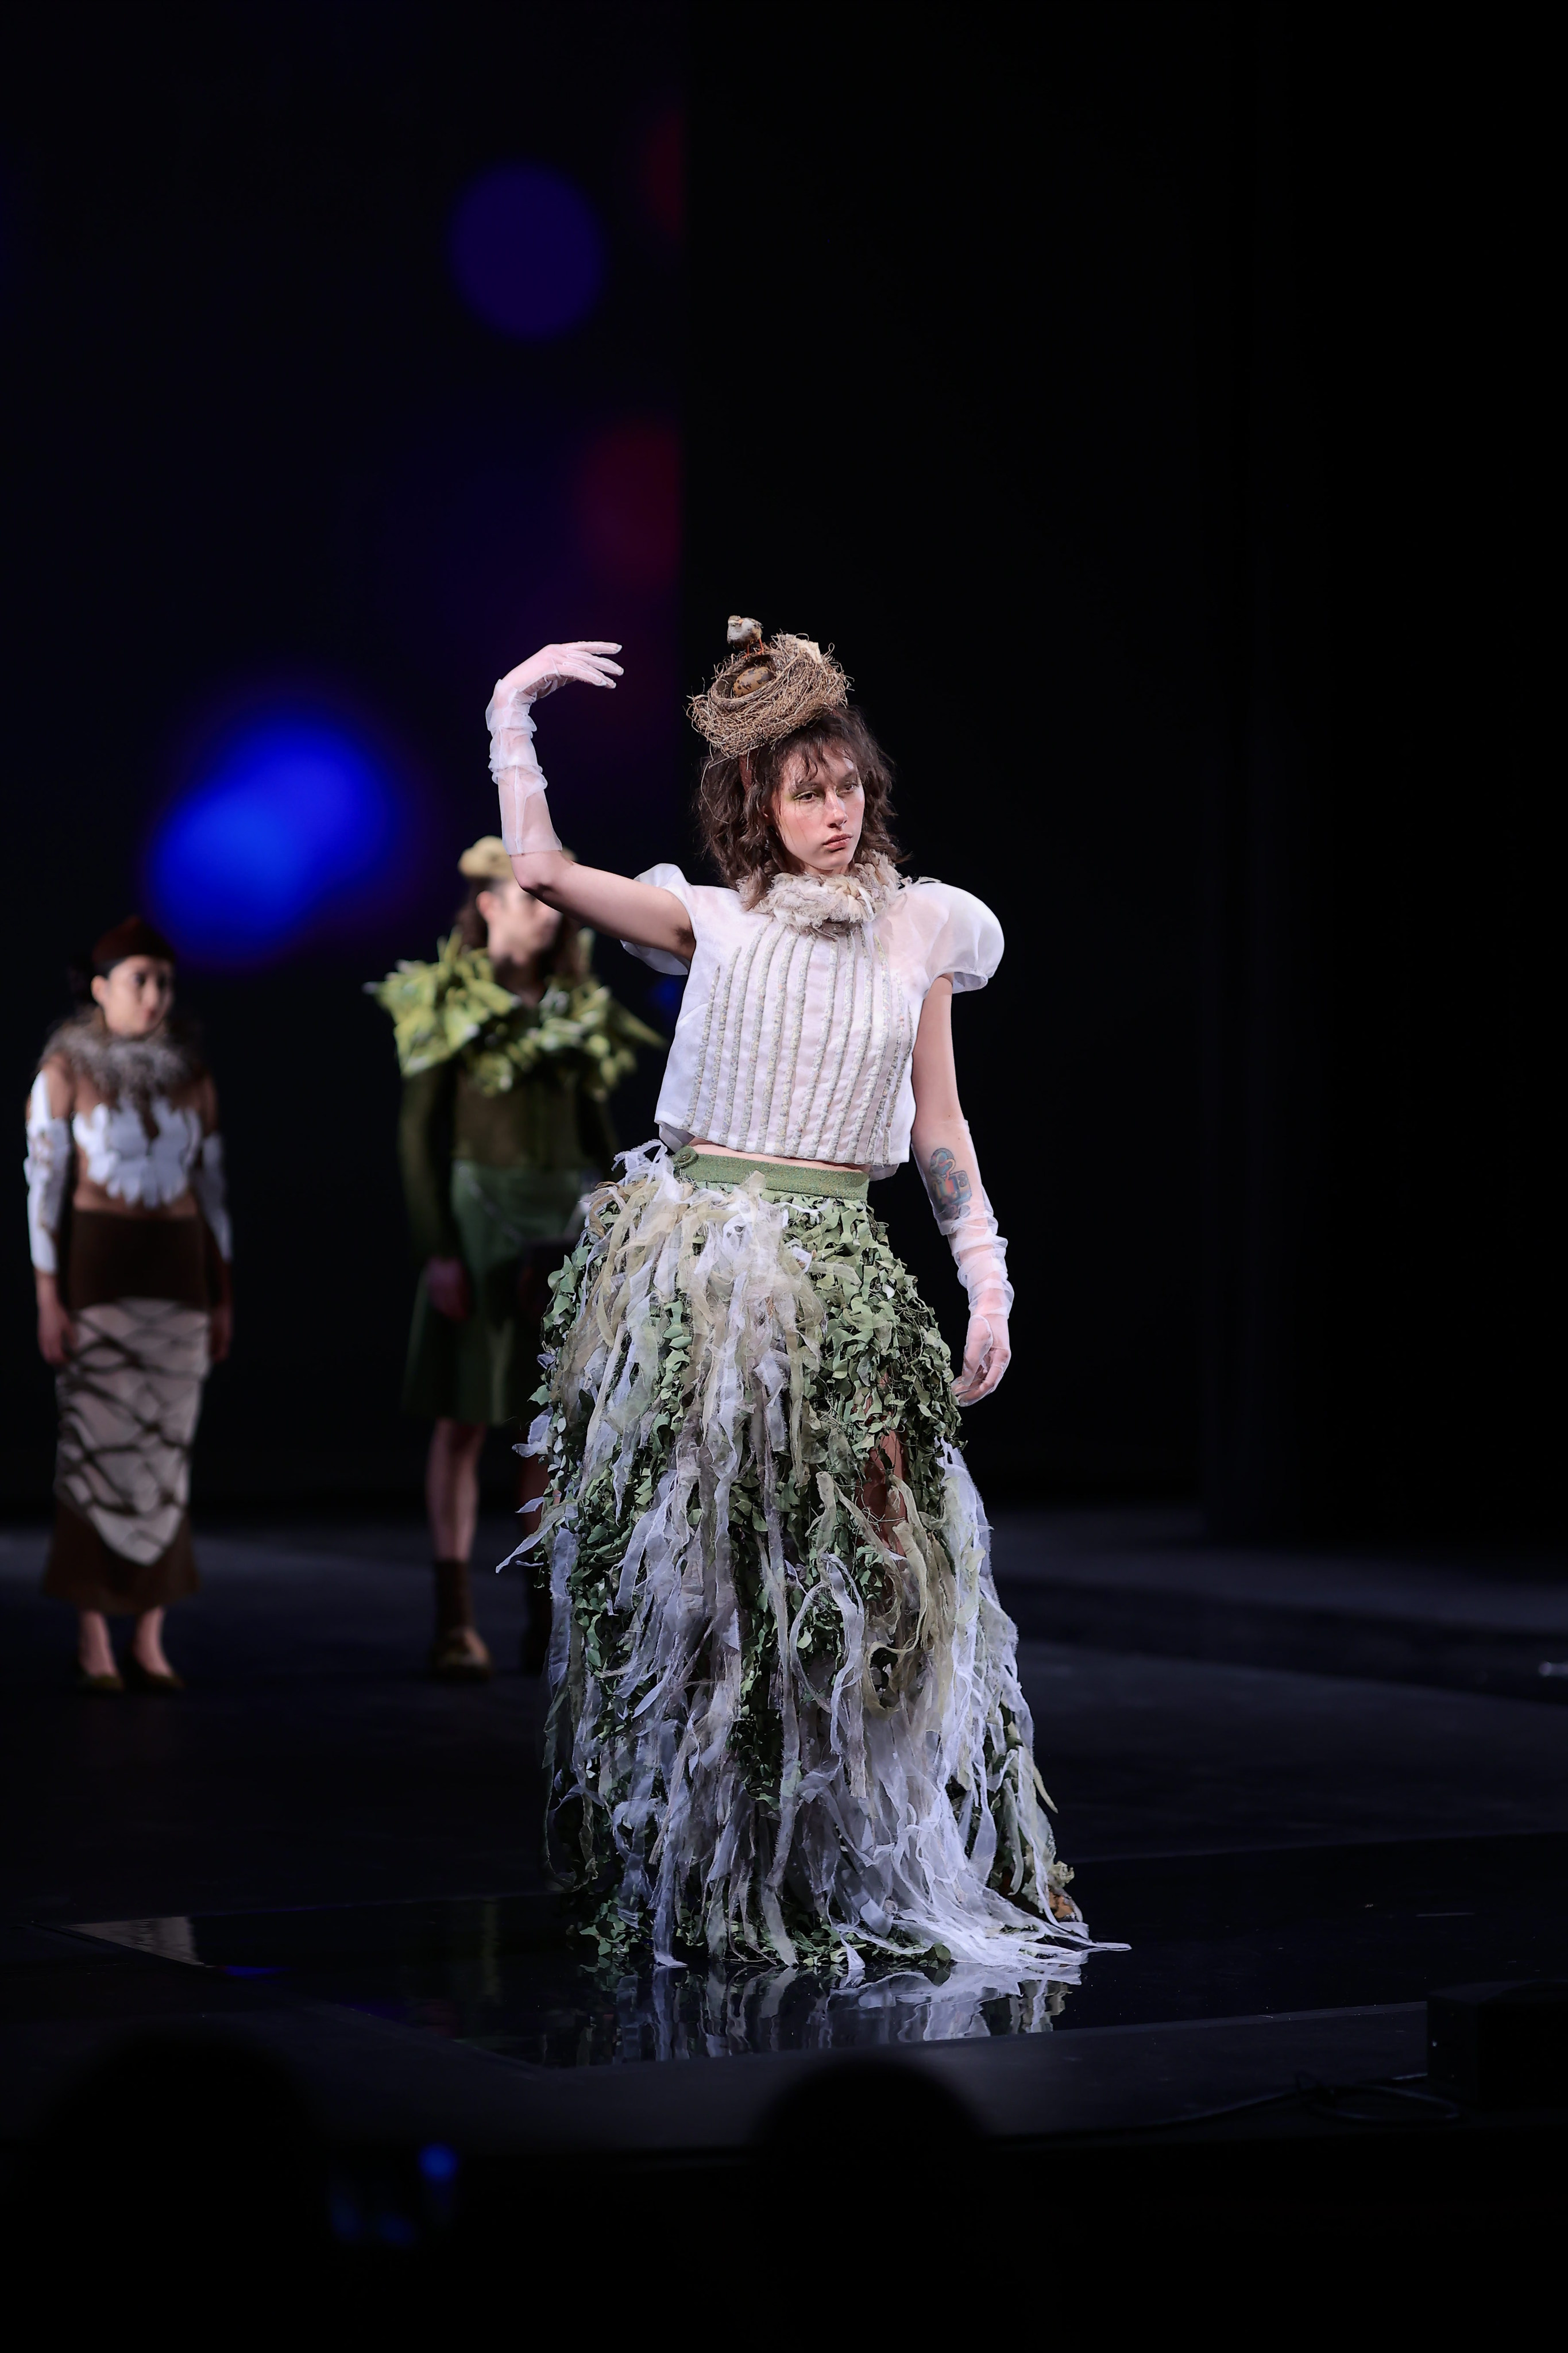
889 1804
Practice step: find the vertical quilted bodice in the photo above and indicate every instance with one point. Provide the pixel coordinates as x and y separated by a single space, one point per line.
798 1042
802 1046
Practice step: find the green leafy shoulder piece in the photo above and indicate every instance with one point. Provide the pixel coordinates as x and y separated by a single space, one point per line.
456 1007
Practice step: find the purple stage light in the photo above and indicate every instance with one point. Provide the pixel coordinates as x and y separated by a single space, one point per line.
527 251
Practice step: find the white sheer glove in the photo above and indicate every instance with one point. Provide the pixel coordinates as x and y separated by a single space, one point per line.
987 1350
519 780
966 1216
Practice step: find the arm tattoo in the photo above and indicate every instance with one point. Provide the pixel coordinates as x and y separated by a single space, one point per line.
948 1184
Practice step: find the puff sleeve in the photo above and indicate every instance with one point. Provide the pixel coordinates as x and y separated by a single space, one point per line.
959 935
670 879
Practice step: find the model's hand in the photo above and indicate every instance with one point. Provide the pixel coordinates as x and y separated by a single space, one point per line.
57 1333
446 1285
987 1356
220 1331
586 660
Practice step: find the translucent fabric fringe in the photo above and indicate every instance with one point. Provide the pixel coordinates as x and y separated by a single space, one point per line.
781 1729
721 2013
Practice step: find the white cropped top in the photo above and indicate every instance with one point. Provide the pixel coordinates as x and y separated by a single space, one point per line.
794 1037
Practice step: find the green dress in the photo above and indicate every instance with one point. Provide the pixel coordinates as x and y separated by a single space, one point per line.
504 1127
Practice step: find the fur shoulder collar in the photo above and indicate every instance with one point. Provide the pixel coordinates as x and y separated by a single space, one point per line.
137 1068
833 903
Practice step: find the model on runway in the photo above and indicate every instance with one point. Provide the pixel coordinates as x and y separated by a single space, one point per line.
510 1050
131 1249
786 1722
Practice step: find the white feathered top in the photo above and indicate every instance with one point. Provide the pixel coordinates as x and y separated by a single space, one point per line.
799 1017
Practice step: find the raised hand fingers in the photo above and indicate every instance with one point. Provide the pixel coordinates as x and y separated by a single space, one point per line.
586 660
593 670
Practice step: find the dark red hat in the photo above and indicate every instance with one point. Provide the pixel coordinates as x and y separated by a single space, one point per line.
131 938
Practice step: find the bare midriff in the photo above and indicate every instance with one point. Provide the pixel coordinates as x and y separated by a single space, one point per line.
88 1195
777 1159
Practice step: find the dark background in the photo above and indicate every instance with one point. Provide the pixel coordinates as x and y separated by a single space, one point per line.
1145 410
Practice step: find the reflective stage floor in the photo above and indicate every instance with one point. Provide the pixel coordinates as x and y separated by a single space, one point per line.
1211 1936
316 1849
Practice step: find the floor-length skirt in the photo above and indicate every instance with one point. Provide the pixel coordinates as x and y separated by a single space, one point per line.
786 1723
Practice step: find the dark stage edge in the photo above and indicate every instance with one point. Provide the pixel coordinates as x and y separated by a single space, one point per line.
1295 1930
475 2020
1215 2139
1295 1859
373 2083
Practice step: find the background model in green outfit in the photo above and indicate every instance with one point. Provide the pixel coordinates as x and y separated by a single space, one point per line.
510 1050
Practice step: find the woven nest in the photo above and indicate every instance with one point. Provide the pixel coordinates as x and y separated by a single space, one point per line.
766 690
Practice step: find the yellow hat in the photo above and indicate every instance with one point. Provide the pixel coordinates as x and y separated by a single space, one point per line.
486 861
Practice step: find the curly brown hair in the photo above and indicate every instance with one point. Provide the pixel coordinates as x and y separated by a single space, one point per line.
735 800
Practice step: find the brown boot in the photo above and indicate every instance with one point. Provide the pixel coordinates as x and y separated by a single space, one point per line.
457 1655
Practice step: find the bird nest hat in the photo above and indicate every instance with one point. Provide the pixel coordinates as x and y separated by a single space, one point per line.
765 687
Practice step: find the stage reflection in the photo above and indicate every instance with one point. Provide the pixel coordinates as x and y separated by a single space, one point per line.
503 1973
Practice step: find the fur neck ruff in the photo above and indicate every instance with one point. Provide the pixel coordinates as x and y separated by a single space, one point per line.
832 903
137 1068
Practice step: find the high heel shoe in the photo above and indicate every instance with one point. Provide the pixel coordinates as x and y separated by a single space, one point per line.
101 1686
143 1679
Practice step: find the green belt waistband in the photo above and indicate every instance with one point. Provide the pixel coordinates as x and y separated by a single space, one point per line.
727 1168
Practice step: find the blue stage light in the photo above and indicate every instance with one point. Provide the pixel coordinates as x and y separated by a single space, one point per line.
527 252
295 823
438 2164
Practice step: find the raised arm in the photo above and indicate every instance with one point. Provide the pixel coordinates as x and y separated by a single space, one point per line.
944 1154
611 903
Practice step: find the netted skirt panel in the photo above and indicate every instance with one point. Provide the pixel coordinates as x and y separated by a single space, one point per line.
785 1719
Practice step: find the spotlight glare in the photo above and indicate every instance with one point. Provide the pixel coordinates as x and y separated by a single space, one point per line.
293 825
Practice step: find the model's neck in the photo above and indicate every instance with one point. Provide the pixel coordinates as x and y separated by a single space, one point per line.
521 976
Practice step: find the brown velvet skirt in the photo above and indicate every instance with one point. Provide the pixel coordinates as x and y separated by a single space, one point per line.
138 1289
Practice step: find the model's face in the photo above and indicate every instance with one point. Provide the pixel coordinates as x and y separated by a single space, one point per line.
517 927
819 809
135 994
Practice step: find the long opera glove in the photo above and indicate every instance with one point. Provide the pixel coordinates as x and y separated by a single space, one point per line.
520 781
964 1213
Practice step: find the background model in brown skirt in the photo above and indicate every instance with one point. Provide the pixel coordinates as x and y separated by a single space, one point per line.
131 1257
